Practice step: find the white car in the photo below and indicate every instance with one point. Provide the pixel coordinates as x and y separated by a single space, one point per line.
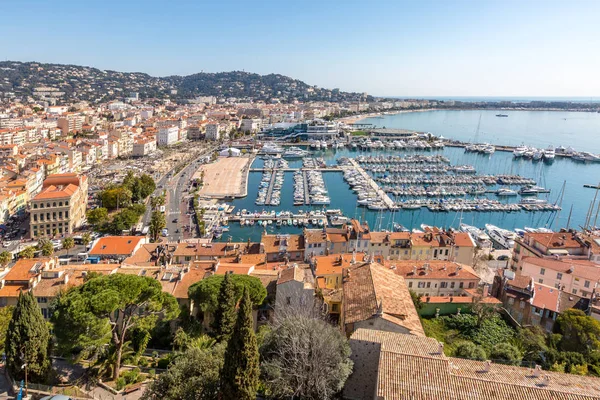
6 244
57 244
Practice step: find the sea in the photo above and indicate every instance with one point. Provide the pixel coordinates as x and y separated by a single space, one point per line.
564 177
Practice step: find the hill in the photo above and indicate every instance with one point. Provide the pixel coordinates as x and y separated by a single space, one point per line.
73 82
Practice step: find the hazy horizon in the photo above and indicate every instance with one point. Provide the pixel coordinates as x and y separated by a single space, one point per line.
428 49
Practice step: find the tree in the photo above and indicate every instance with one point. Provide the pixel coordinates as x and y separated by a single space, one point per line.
532 343
505 353
580 333
157 201
5 318
97 217
471 351
481 309
46 247
300 342
27 340
193 375
157 224
105 309
205 293
116 197
225 313
68 243
86 239
28 252
5 258
239 377
416 299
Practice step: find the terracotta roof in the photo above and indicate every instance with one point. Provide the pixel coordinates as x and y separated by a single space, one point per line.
370 289
193 275
433 269
291 242
412 367
23 269
314 236
458 299
290 274
462 239
556 240
234 268
545 297
12 290
56 192
333 264
116 245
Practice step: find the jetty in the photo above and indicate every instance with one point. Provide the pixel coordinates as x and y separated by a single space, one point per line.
306 191
389 203
270 189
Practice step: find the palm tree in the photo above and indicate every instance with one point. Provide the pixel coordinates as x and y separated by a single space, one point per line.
27 252
46 247
86 238
68 243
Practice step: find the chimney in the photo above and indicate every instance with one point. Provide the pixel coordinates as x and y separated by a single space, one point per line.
353 257
414 271
486 291
487 366
66 279
546 381
537 371
440 348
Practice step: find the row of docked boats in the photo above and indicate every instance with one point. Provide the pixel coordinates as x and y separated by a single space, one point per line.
323 144
503 238
409 159
548 154
478 205
423 179
317 191
367 194
282 218
271 183
409 144
484 148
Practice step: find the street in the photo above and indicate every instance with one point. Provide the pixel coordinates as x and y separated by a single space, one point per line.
177 198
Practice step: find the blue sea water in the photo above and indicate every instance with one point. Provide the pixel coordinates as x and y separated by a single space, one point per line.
519 127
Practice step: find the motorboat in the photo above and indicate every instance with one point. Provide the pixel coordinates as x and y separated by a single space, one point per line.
506 192
549 153
502 237
520 151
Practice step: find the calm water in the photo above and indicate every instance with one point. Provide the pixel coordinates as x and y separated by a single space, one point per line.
534 128
550 176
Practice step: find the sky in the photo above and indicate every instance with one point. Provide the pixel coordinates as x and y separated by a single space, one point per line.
420 48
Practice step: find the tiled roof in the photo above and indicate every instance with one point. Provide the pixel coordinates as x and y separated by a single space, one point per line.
290 274
411 367
370 289
291 242
56 192
432 269
582 268
116 245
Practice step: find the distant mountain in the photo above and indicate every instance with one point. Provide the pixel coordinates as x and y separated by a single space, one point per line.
73 82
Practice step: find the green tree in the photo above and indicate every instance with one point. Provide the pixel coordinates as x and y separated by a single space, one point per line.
97 217
28 252
193 375
46 247
470 350
532 343
68 243
239 377
580 333
300 342
505 353
5 318
205 293
157 201
157 224
86 239
416 299
225 313
5 258
105 309
117 197
27 340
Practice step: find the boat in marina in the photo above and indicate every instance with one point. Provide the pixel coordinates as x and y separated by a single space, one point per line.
506 192
479 235
338 220
502 115
537 154
400 228
295 152
532 190
549 153
520 151
502 237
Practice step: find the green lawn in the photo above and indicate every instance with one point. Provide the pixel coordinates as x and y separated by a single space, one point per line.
359 133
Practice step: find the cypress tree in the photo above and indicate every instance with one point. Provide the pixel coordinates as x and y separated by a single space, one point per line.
27 341
224 316
239 378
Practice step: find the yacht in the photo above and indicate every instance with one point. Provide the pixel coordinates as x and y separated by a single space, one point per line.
501 236
477 234
549 153
400 228
533 201
532 190
519 151
506 192
338 220
295 152
270 148
537 155
489 149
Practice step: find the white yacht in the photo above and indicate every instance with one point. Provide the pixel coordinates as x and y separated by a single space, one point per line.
519 151
477 234
502 237
549 153
538 154
506 192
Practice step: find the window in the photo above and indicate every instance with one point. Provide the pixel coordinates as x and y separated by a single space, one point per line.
586 284
471 285
421 285
460 285
60 203
540 280
309 246
446 251
42 299
409 284
443 285
511 301
66 203
542 271
428 285
335 307
574 291
452 285
34 205
558 276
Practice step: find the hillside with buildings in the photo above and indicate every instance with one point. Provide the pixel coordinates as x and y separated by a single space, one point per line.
61 83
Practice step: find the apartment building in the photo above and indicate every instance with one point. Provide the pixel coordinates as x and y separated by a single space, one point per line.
144 146
579 277
251 125
168 135
60 207
70 123
213 132
549 245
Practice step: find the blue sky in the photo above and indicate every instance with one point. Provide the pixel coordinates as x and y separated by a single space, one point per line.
394 48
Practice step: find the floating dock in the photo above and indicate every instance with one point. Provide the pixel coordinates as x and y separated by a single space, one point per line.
380 193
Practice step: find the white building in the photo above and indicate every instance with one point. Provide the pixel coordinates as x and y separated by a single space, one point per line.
213 132
168 135
230 151
251 125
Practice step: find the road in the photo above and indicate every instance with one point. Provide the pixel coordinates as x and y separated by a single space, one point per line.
178 196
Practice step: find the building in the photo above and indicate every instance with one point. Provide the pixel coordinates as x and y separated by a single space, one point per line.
230 152
116 247
143 147
251 125
390 366
295 290
70 123
531 303
375 297
283 248
549 245
213 132
435 278
168 135
23 276
60 207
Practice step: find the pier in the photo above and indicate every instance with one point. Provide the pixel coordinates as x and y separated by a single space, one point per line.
326 169
270 189
306 191
380 193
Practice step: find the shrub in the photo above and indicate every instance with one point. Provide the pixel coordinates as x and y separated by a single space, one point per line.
471 351
120 383
505 353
